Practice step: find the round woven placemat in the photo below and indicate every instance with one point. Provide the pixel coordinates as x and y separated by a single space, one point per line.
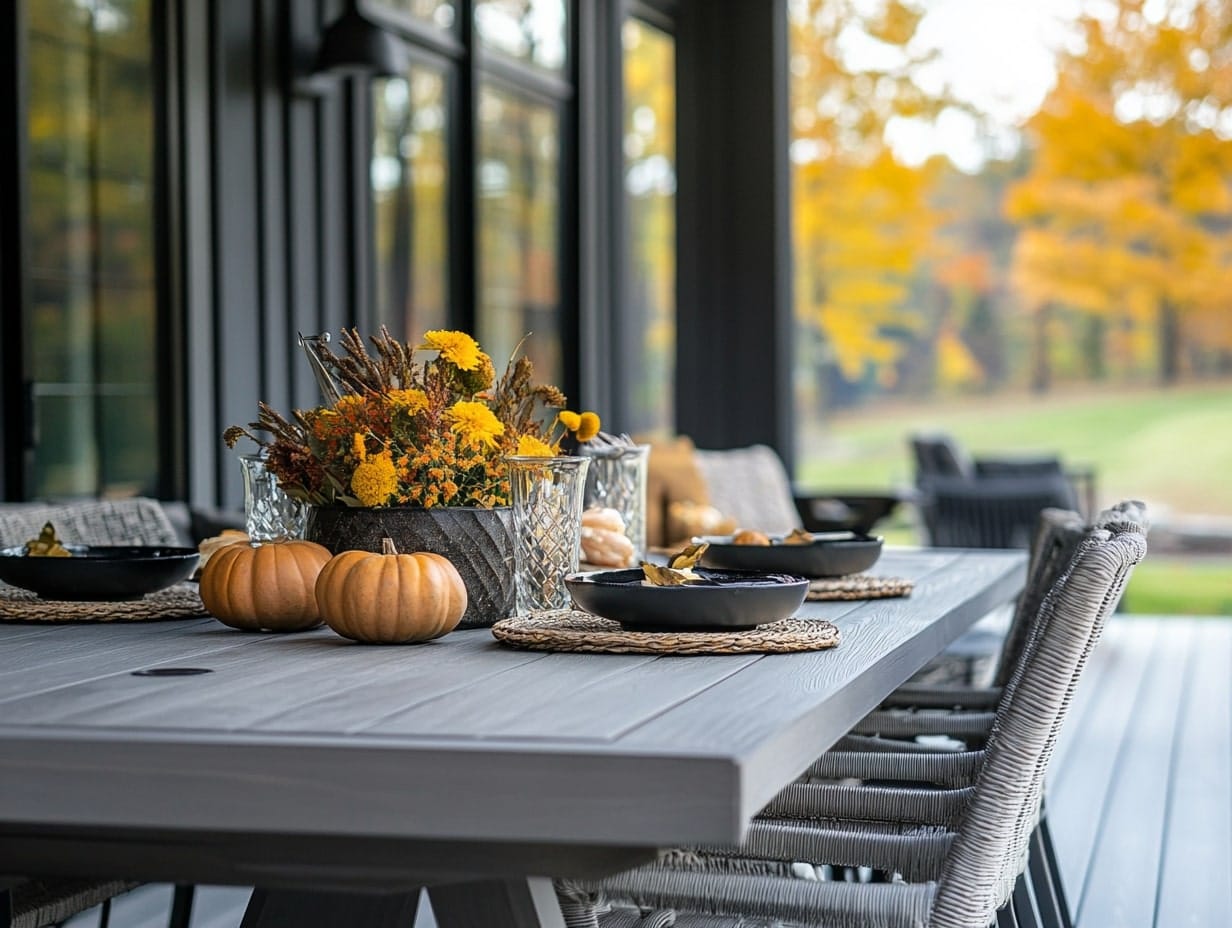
858 586
176 602
571 630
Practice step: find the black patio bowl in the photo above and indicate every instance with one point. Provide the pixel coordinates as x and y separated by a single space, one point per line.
98 572
831 554
727 600
846 512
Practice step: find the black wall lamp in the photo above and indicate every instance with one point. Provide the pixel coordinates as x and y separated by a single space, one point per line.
355 46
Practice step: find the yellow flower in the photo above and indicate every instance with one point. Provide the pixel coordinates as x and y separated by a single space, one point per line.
569 419
359 448
458 348
588 427
375 480
475 423
351 401
413 401
530 446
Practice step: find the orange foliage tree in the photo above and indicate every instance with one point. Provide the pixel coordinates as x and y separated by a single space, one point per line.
1126 212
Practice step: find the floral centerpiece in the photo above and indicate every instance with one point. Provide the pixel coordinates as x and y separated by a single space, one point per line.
411 444
406 431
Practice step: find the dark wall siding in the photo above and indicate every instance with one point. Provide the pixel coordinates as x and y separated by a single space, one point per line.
260 185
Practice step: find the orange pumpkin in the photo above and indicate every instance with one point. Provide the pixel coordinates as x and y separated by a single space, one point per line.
269 586
390 598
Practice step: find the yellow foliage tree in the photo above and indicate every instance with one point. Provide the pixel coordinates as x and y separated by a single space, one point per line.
1127 207
862 218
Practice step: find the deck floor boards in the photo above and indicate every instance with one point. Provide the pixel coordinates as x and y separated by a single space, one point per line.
1140 790
1140 794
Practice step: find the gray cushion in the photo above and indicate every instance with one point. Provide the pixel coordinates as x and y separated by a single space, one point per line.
751 486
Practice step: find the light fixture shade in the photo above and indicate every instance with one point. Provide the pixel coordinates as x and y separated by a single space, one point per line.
354 44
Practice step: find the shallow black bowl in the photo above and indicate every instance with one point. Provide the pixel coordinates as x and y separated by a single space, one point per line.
98 572
730 600
832 554
846 512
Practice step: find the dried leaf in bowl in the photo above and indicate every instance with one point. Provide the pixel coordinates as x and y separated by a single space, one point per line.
689 556
669 576
47 544
799 536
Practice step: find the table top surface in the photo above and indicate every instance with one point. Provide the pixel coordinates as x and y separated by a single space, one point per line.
460 739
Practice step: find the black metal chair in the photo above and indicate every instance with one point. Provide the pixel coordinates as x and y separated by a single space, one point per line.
990 502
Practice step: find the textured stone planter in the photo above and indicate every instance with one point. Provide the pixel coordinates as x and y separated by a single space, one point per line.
479 542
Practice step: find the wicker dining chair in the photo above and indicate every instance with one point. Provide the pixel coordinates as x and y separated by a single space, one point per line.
957 852
965 712
39 902
134 521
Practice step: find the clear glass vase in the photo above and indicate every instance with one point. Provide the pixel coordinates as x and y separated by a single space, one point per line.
617 480
269 513
547 522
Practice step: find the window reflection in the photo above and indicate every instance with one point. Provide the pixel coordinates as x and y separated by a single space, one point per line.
90 312
529 30
519 250
441 13
648 317
410 192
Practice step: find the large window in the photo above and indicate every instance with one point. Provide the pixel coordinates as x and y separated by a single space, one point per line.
89 311
410 191
472 237
648 313
519 222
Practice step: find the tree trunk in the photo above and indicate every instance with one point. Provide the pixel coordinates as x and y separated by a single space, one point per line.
1041 354
1169 343
1093 352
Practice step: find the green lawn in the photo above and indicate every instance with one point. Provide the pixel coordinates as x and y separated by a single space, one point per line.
1173 586
1172 448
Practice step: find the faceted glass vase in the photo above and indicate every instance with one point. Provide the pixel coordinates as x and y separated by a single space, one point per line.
269 513
547 521
617 480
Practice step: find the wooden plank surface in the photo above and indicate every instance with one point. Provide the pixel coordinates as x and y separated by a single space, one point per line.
1121 881
1195 879
1080 780
1140 792
460 740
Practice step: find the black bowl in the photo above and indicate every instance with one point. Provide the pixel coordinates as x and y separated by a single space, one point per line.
730 600
98 572
845 512
831 554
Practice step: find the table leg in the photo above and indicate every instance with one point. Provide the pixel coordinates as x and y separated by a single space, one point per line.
295 909
524 903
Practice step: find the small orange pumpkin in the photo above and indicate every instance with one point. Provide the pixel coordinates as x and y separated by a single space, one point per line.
268 586
390 598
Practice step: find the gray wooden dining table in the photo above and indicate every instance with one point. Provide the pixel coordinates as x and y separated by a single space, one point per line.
340 778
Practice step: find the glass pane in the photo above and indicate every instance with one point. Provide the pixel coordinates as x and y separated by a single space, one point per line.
519 246
410 194
529 30
648 317
90 313
442 13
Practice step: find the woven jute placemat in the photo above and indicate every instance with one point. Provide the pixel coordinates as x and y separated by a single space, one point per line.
176 602
571 630
858 586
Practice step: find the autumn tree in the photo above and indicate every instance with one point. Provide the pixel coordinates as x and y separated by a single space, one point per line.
1127 209
863 220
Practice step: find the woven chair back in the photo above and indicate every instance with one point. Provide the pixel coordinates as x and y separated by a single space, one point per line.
134 521
751 486
988 852
1057 537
